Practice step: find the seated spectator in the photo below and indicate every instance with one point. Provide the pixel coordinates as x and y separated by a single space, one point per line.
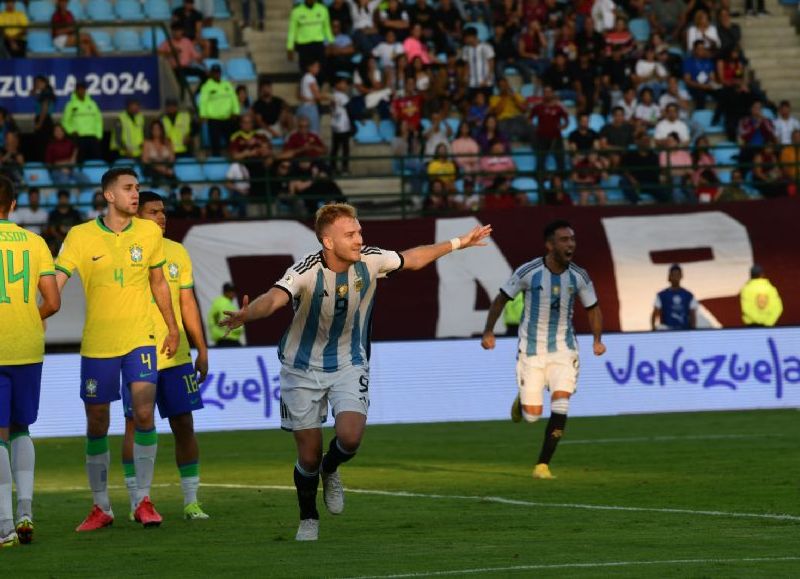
790 159
394 20
650 73
628 102
252 149
700 75
128 134
372 92
218 108
469 199
532 48
33 217
339 10
303 143
465 150
587 173
439 133
666 17
477 110
583 142
616 137
617 77
734 191
215 208
271 113
703 31
708 187
785 124
407 151
11 160
422 13
702 160
647 112
243 97
186 208
61 155
315 187
620 37
479 57
191 20
15 31
501 195
490 133
61 219
440 198
767 176
178 128
497 162
671 124
158 156
64 32
441 168
99 206
753 133
189 61
506 53
237 181
675 94
676 166
559 78
449 26
422 76
641 174
7 124
340 52
408 107
342 127
387 52
554 192
566 43
364 32
511 108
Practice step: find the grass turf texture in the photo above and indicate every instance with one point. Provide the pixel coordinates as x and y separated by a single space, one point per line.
251 532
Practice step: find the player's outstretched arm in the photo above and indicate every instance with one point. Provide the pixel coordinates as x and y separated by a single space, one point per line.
51 298
488 339
596 325
262 307
419 257
160 290
193 324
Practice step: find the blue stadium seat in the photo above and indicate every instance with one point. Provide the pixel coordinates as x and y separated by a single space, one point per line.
102 40
209 62
703 118
39 177
725 175
526 184
240 69
100 10
157 9
214 33
571 126
524 159
484 34
94 170
22 199
725 152
76 7
129 10
596 122
152 39
85 197
127 40
453 124
527 90
768 113
190 171
425 124
40 11
367 133
131 163
215 168
40 42
221 10
387 130
640 29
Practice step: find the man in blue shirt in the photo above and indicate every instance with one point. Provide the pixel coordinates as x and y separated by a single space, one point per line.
675 308
700 76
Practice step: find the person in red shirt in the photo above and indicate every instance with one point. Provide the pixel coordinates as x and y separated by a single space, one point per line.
303 142
501 195
408 107
190 60
61 154
63 31
550 118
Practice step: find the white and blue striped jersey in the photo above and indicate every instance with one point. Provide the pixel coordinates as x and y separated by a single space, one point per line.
332 311
546 324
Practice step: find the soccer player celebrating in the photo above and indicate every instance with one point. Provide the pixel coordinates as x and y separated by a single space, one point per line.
324 353
548 350
24 260
119 258
177 390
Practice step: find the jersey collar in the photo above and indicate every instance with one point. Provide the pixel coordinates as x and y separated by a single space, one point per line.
102 226
5 221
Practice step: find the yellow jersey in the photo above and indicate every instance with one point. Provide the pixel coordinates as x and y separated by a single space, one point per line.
115 272
24 258
178 272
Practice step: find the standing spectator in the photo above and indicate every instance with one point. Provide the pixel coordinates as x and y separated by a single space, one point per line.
365 34
506 53
186 208
754 7
424 15
753 133
339 53
15 23
339 10
82 119
99 207
700 75
7 124
252 149
496 163
408 107
616 136
510 108
189 62
128 134
190 19
704 31
449 26
341 126
61 155
617 77
734 97
532 47
309 30
760 301
218 107
676 166
394 18
665 17
61 219
550 118
11 160
559 78
586 83
64 35
479 57
785 124
310 96
671 123
222 337
177 128
465 150
641 174
604 15
158 156
272 114
730 34
414 46
246 21
675 308
32 217
42 121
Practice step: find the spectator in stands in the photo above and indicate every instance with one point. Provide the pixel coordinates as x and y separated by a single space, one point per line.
215 208
753 7
734 191
730 34
315 188
339 53
45 99
507 55
440 198
32 217
449 26
310 96
218 108
620 37
394 18
61 219
127 136
641 174
342 127
478 9
587 173
586 83
616 137
442 169
272 114
666 17
186 208
64 32
704 31
671 123
628 102
246 21
465 150
767 175
617 76
532 48
99 206
365 32
604 15
790 161
371 90
753 133
408 107
438 133
554 192
700 75
647 112
423 14
61 155
415 47
158 156
676 167
497 162
11 160
566 43
7 124
550 119
501 195
309 30
339 10
650 73
510 108
244 98
734 96
702 160
479 57
675 308
490 133
237 180
677 95
15 31
191 20
252 149
469 199
583 142
82 120
304 143
177 128
785 124
189 62
559 77
387 52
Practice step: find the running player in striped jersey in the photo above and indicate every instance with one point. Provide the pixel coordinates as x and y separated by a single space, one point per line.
548 350
177 391
325 352
25 265
119 258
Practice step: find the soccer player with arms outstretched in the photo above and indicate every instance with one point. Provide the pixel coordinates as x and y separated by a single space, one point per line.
119 258
178 388
548 350
325 351
25 265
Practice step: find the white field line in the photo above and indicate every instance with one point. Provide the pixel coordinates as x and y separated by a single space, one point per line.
669 438
597 565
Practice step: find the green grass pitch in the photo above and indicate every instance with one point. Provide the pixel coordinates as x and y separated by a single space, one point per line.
683 487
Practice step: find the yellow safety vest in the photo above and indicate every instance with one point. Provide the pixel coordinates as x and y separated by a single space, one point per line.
178 130
131 134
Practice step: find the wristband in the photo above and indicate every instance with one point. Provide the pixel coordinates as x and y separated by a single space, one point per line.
455 243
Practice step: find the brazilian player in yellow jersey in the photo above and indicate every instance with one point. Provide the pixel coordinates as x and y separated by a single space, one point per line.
119 258
178 387
25 265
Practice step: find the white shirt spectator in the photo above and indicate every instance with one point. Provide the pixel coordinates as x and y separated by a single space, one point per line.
665 127
306 83
647 69
784 129
647 113
628 107
34 221
710 37
604 15
386 53
238 178
340 120
667 99
363 17
478 59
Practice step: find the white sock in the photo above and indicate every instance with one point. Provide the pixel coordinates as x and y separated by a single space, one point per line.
189 485
6 505
130 484
23 458
559 406
97 470
145 447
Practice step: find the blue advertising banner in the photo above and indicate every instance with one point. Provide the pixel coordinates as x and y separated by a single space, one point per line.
111 81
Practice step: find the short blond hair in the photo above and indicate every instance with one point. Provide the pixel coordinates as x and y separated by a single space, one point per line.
327 214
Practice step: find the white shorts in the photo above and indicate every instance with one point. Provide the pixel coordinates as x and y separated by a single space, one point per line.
558 372
305 395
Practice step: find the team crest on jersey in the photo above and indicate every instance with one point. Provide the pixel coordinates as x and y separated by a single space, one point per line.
90 388
341 290
571 290
358 284
556 290
174 270
137 253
